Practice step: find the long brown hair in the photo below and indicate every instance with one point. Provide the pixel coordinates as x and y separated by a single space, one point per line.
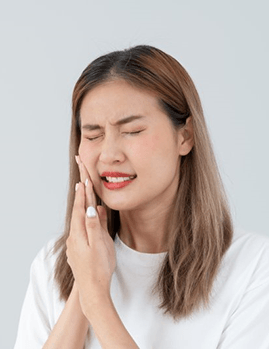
200 226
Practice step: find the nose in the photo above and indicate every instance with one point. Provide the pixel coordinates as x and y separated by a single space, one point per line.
111 151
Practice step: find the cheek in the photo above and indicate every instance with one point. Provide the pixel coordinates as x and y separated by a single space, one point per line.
158 154
86 157
154 146
85 151
138 153
146 146
146 155
82 150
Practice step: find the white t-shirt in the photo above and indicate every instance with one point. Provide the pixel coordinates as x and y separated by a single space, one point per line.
238 317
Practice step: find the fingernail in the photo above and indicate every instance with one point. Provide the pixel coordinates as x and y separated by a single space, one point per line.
76 187
86 182
91 212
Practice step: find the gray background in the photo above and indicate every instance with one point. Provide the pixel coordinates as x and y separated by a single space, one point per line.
44 48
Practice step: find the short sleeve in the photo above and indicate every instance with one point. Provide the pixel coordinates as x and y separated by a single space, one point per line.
34 324
248 326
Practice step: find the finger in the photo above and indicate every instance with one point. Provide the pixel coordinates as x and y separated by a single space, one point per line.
93 225
90 195
85 178
102 216
82 169
77 225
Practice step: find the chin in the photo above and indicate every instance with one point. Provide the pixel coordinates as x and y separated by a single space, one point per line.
120 206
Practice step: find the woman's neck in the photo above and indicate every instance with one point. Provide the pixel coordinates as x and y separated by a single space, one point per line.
145 230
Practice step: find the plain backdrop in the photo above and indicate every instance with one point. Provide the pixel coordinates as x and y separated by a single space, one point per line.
45 45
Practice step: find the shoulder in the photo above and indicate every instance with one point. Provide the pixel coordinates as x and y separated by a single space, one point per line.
245 236
249 244
248 258
45 259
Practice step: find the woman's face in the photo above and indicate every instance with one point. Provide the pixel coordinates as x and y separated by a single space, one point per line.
125 133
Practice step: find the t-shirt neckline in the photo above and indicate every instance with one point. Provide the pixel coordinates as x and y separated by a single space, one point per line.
140 258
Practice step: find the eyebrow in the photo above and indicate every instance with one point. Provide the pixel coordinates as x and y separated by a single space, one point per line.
123 121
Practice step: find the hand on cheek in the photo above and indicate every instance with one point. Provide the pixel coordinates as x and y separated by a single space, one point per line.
90 249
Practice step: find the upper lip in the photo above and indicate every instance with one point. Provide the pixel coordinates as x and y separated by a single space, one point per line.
116 174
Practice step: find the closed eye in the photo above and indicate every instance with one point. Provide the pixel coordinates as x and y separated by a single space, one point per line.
92 138
133 133
128 133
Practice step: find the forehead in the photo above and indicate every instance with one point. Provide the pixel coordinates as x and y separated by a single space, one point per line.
116 99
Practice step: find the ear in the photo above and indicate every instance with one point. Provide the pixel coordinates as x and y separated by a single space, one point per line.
185 138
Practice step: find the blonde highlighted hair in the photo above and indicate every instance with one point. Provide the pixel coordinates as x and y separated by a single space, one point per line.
199 227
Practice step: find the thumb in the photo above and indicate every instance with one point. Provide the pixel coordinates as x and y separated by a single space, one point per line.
102 216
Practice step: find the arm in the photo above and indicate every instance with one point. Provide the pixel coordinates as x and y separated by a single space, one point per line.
107 325
71 328
38 310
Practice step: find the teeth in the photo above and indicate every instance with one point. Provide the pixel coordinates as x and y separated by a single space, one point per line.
118 179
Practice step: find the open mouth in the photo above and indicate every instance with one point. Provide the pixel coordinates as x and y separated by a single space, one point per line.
118 179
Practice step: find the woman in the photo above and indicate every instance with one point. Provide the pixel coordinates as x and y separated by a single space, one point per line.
149 257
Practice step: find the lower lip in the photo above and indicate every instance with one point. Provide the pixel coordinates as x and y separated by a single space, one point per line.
118 185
